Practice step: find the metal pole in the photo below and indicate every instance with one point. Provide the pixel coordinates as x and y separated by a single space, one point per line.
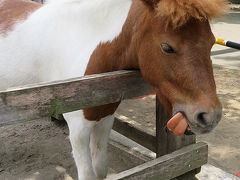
227 43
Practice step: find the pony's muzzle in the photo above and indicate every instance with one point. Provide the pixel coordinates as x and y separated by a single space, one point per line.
205 119
200 120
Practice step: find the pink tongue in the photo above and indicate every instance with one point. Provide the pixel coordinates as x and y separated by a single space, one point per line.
177 124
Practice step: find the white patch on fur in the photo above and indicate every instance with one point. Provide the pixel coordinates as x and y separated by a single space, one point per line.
1 2
56 41
98 145
79 134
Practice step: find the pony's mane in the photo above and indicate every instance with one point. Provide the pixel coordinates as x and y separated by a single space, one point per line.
178 12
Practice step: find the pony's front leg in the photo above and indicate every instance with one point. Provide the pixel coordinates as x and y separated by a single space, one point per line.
79 133
98 145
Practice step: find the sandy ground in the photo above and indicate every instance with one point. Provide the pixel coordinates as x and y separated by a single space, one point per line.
40 150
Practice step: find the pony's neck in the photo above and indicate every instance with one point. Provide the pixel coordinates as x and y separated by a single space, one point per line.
122 52
112 56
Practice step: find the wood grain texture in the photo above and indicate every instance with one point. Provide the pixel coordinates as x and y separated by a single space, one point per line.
51 99
162 133
167 142
168 166
127 129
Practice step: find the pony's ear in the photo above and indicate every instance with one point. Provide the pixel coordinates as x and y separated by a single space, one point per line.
151 3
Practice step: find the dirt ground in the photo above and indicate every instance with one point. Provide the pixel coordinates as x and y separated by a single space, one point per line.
224 146
41 150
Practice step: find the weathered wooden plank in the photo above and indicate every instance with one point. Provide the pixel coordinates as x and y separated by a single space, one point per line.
48 99
162 117
170 165
166 141
143 138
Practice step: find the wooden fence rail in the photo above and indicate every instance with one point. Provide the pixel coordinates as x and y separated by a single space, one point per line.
54 98
50 99
168 166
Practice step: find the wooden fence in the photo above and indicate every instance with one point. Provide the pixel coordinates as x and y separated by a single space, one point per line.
177 157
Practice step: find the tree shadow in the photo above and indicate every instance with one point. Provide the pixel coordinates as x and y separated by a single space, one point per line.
224 51
230 18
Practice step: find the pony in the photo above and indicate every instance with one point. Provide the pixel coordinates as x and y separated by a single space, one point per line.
169 41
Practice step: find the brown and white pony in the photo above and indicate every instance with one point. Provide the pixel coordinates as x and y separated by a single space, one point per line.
168 40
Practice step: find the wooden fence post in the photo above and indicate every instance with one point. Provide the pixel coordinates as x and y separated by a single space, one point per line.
167 142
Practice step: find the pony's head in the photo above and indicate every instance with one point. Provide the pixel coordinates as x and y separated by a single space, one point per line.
173 51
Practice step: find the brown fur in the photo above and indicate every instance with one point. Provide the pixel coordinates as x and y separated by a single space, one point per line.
178 12
182 78
14 11
151 3
113 56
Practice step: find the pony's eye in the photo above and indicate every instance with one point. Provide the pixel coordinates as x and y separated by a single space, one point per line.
167 48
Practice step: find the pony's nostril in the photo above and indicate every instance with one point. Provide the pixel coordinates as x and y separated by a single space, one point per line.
201 119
